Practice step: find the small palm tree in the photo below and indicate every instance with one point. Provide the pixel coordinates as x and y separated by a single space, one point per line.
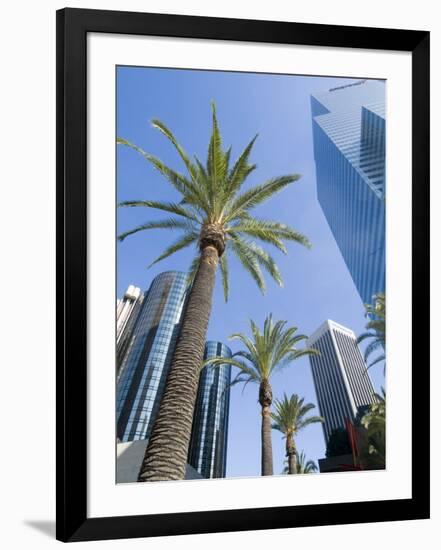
303 466
289 418
376 329
213 214
373 455
266 353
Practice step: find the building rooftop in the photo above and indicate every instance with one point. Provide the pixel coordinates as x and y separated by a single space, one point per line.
326 327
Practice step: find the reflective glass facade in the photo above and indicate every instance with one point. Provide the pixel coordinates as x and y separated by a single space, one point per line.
348 125
341 381
146 363
208 446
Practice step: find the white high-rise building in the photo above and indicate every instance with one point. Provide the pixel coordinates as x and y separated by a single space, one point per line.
342 383
127 310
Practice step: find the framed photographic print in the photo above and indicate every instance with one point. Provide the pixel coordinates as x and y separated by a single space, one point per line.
238 201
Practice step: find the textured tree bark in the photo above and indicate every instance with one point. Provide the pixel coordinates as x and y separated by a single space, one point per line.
267 449
166 453
265 400
291 454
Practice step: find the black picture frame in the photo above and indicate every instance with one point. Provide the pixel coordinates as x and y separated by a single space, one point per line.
72 28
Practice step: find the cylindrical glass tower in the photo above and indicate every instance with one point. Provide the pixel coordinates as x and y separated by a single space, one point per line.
208 446
146 364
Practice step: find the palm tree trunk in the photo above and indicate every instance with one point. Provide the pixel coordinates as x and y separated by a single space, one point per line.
166 453
291 454
267 448
265 400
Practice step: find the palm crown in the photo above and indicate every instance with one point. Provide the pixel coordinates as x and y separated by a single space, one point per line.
290 415
268 351
215 210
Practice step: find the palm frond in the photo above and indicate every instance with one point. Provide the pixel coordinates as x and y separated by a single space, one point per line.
247 342
169 135
182 184
376 332
371 347
255 254
183 242
245 354
365 336
241 365
215 158
224 274
271 232
173 208
241 169
258 194
171 223
249 262
376 361
262 235
377 325
194 266
310 420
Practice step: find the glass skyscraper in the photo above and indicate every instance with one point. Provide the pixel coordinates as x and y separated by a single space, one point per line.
208 446
348 125
341 381
146 363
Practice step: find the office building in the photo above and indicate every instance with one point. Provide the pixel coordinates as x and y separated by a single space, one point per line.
146 363
127 311
208 445
341 381
348 124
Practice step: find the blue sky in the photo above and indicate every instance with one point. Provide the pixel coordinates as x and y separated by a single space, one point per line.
317 284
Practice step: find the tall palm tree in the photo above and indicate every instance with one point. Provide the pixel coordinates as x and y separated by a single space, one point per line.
290 418
266 353
213 213
376 329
